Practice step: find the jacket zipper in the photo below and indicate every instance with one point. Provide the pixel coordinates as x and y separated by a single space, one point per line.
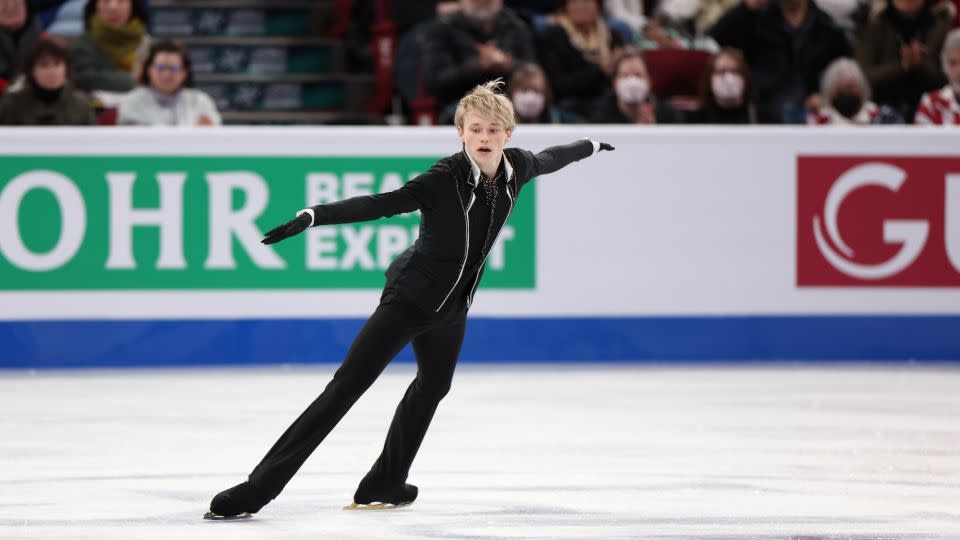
476 280
466 242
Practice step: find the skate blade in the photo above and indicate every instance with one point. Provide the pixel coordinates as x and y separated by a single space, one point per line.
218 517
376 506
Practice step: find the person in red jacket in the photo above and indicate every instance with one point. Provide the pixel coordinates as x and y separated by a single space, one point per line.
942 106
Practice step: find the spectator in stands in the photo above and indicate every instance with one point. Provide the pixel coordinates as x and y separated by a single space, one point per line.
630 101
19 31
637 14
674 26
527 8
850 15
628 11
710 12
47 98
408 13
726 92
577 54
481 41
106 55
787 44
533 99
899 51
540 14
46 11
942 107
845 95
165 97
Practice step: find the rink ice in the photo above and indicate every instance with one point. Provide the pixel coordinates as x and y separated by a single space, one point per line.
540 451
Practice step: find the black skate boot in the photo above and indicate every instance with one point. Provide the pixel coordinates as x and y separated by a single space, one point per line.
372 495
239 502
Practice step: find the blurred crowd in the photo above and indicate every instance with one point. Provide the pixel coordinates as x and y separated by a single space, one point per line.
112 65
818 62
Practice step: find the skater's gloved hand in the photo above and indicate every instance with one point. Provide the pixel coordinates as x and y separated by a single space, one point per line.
291 228
598 146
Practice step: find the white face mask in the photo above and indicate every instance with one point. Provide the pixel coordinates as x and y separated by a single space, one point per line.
528 103
727 87
632 89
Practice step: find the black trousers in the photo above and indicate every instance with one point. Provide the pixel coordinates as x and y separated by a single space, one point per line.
436 343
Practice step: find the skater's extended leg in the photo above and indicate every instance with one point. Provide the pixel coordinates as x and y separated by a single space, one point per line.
383 336
436 351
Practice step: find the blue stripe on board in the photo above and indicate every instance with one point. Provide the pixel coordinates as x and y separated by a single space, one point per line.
101 343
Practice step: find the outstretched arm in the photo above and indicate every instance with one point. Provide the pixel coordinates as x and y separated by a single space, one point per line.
412 196
363 208
557 157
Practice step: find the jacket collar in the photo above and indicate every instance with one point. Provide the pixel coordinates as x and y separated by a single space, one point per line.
475 169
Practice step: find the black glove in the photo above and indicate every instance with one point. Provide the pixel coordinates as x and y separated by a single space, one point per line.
291 228
605 146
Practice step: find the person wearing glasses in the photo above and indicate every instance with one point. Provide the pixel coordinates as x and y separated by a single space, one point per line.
165 96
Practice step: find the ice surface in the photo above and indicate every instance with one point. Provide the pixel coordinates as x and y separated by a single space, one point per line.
546 451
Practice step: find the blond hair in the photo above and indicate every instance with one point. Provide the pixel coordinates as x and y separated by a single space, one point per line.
837 71
484 100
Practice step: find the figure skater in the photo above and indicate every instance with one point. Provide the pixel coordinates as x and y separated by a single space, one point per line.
464 201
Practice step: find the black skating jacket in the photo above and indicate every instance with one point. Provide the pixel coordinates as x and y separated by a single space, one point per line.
431 269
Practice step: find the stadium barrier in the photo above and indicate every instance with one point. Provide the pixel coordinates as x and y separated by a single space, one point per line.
133 247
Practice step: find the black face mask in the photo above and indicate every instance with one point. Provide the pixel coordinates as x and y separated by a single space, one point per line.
847 104
43 94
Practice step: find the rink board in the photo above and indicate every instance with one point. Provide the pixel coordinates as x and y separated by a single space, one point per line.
138 247
69 344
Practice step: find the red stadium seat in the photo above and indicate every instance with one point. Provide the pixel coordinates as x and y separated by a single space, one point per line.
107 117
676 72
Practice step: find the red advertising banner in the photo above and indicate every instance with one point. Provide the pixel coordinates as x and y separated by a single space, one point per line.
878 221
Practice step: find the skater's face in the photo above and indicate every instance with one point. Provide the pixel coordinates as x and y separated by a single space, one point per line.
484 138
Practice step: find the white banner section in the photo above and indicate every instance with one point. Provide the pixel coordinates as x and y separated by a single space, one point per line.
677 221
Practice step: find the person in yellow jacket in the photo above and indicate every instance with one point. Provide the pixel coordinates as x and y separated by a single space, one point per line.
106 56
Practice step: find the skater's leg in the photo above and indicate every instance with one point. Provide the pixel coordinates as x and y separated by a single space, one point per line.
436 351
381 338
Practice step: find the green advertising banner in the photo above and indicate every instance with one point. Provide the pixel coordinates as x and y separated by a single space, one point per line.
168 222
